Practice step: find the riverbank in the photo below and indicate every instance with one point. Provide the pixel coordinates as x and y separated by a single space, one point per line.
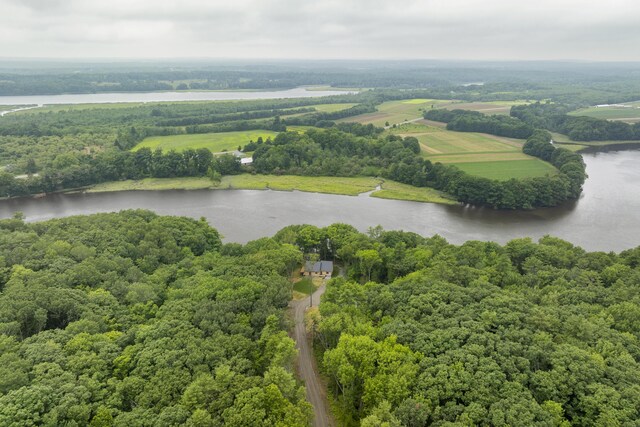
593 146
349 186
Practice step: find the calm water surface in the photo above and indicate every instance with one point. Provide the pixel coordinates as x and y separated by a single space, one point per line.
607 217
101 98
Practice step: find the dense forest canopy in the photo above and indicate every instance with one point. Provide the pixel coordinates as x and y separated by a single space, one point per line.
132 319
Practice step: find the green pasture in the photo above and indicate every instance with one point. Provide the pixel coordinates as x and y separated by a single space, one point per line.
504 170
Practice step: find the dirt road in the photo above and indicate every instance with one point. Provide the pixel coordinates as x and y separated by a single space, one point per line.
307 369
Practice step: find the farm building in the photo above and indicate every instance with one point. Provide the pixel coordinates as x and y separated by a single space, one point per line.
318 269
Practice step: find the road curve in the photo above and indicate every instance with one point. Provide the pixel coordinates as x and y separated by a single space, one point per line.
307 369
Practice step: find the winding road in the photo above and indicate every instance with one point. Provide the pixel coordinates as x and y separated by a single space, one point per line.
307 369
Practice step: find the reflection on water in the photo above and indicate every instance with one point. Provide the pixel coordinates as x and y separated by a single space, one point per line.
101 98
605 217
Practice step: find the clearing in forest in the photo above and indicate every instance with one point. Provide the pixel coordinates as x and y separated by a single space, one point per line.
216 142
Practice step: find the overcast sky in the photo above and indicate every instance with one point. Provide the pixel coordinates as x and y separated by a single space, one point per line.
322 29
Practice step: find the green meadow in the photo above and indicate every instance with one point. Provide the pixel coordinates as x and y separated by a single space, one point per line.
216 142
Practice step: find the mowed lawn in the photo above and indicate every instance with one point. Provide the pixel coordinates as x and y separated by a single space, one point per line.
396 112
478 154
216 142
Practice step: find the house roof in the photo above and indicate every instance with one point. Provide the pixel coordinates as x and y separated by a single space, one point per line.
316 267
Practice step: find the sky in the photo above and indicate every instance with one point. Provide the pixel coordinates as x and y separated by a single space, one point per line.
322 29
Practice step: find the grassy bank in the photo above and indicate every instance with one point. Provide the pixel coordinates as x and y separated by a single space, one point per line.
190 183
397 191
315 184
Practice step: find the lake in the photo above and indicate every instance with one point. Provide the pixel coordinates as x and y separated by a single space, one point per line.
605 218
102 98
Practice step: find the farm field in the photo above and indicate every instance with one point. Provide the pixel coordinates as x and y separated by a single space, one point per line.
629 114
478 154
216 142
396 112
489 107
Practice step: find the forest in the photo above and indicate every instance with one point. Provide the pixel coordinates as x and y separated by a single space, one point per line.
422 332
133 319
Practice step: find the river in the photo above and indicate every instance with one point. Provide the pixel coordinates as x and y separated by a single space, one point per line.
101 98
607 216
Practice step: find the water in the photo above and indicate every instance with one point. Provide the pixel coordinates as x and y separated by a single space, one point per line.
101 98
605 218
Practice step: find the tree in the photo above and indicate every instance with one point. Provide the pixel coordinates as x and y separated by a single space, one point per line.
368 258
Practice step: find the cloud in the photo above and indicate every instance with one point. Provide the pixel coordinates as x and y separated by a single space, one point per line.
448 29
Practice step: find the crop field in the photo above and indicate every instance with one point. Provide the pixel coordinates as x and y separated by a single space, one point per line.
478 154
216 142
630 114
396 112
490 107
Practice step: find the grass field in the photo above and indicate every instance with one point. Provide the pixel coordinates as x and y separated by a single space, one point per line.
478 154
397 191
216 142
629 114
504 170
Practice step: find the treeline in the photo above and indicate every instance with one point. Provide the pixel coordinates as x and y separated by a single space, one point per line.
474 121
325 119
133 319
421 332
554 117
568 83
247 115
70 171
